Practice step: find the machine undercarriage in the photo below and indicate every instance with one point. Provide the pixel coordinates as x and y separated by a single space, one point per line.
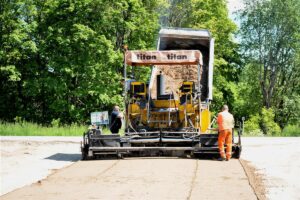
169 116
152 144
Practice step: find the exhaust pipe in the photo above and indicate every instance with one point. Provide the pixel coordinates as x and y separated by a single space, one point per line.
160 84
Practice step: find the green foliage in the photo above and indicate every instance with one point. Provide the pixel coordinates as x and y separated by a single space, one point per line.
270 41
252 127
213 15
63 59
290 110
262 124
10 72
248 97
55 122
291 130
267 123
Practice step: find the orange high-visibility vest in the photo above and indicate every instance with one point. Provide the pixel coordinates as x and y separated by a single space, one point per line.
225 121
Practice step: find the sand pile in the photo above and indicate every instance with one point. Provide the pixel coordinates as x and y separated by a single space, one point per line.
174 76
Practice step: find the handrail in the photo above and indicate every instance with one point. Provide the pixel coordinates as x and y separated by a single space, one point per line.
169 118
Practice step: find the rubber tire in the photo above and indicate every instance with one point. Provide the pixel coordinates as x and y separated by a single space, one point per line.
84 153
237 153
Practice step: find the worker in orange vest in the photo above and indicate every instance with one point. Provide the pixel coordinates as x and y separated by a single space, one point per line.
225 125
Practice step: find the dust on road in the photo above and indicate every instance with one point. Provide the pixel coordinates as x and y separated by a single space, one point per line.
25 160
142 178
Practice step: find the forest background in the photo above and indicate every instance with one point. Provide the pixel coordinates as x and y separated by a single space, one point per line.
60 60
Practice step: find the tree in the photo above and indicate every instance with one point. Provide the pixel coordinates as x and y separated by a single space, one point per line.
270 37
62 59
175 13
15 45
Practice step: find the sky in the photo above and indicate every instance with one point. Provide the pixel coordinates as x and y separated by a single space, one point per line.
234 5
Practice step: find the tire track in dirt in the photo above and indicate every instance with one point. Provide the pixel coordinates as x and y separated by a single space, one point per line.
193 181
105 170
255 179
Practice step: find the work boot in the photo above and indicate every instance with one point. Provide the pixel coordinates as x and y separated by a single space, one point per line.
221 159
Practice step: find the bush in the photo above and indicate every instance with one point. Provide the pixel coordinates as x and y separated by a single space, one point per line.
267 123
55 122
262 124
291 130
252 127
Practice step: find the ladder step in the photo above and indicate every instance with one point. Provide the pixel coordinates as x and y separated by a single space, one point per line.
157 121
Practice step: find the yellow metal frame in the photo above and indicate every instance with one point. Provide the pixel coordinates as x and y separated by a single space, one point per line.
138 83
187 113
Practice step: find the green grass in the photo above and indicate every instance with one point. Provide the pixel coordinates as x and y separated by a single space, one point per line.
32 129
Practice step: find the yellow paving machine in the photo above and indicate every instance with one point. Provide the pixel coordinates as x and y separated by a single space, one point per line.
169 115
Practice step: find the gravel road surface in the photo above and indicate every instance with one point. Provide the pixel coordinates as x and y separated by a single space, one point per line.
153 178
268 170
277 162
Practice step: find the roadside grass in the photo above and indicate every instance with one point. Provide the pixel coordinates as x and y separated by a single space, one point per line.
32 129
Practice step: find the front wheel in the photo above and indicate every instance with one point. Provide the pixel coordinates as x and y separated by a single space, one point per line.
237 152
84 152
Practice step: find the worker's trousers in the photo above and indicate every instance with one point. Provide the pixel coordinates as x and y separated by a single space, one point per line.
225 136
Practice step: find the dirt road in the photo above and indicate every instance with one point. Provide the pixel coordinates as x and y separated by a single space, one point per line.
142 178
25 160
